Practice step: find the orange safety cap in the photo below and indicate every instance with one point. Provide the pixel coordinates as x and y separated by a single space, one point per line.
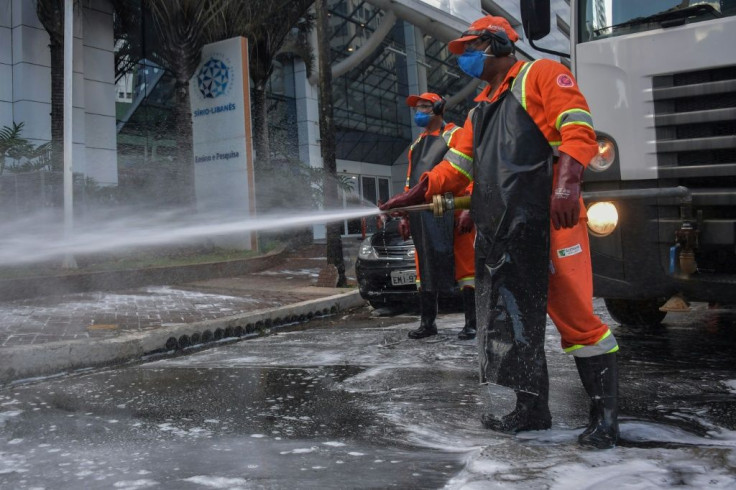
488 23
412 100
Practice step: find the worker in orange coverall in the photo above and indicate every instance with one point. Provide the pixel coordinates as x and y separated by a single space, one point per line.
530 133
439 241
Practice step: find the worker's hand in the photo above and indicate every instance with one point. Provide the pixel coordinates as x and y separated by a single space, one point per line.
404 228
565 204
463 222
415 195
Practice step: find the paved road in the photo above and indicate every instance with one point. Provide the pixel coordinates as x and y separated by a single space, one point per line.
350 402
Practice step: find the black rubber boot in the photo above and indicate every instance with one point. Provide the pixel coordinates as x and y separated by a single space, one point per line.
468 331
427 325
599 375
531 413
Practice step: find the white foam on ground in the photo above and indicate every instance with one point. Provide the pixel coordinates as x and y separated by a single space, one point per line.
552 459
217 481
135 484
731 385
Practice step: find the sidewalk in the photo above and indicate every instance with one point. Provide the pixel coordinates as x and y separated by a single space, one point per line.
52 334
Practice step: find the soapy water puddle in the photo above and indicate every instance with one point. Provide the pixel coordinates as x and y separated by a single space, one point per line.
349 407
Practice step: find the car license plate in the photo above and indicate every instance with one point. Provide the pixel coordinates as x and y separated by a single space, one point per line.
402 278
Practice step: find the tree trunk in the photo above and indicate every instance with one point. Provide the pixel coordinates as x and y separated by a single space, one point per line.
57 105
327 137
183 168
260 129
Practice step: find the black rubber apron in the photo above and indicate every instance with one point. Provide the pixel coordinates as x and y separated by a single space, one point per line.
510 206
433 237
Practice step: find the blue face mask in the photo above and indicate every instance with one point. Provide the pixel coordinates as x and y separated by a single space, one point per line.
471 62
422 119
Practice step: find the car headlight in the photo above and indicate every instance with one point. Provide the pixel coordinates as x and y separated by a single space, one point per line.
411 253
366 251
605 157
602 218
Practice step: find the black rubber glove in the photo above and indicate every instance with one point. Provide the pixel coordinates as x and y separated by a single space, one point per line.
565 205
413 196
463 222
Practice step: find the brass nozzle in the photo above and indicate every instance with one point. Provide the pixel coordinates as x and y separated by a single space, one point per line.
448 203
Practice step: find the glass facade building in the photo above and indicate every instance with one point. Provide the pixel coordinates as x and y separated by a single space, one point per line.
380 52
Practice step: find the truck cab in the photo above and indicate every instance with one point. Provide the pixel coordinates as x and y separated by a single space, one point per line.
660 80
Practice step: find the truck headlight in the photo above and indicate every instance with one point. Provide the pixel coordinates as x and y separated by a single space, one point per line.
602 218
366 251
605 157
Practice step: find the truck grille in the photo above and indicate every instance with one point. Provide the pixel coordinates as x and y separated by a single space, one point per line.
695 119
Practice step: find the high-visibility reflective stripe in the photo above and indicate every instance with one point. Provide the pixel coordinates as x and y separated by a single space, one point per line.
606 345
447 135
415 143
519 89
460 161
574 116
465 282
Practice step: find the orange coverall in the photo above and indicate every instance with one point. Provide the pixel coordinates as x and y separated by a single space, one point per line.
462 242
552 99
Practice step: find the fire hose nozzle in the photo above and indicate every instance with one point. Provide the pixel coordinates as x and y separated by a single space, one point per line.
448 203
439 206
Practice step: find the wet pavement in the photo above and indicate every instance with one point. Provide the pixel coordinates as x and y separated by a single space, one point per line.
60 333
107 314
350 402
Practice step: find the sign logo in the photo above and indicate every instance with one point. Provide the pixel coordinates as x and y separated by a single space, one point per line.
213 78
564 81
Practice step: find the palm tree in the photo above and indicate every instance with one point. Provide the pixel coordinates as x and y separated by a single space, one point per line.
128 35
51 15
180 26
273 29
328 144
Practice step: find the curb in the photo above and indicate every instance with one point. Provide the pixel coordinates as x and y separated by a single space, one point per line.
29 361
31 287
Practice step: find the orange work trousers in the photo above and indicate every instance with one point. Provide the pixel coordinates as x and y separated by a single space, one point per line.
570 295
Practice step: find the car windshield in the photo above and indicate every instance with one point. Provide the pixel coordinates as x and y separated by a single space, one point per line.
608 18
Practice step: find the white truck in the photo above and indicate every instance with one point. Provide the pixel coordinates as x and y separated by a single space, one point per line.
660 79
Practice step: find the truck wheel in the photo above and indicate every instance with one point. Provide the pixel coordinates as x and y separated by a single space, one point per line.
640 313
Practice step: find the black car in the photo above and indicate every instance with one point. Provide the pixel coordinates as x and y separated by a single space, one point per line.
385 268
386 271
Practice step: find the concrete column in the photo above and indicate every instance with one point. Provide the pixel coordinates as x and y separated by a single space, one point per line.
415 72
25 82
307 117
6 64
31 72
97 82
